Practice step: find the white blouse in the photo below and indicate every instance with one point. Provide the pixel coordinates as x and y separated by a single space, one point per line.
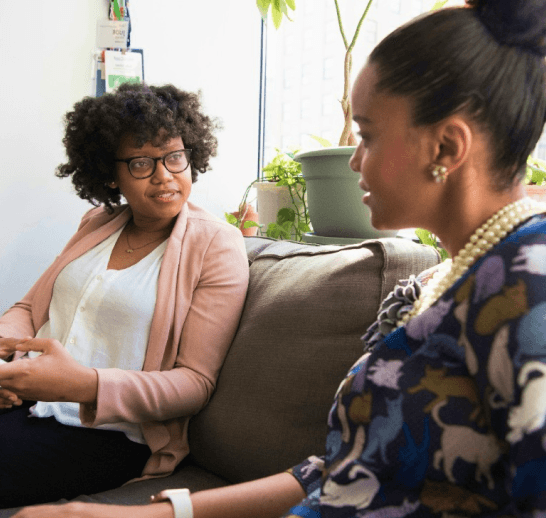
103 318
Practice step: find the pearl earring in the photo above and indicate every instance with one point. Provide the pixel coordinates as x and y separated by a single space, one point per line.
439 172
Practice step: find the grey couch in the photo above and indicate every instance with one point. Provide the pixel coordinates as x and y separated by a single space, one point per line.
306 309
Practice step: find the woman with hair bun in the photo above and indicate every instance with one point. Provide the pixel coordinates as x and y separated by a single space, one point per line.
445 414
128 328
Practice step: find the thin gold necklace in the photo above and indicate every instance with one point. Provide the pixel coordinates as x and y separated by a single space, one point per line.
131 249
496 228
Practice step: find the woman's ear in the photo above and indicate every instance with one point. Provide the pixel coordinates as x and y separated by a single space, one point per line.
453 142
112 185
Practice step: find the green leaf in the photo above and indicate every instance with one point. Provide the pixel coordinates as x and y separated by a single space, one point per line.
443 253
303 227
263 6
230 218
425 237
284 9
276 231
272 230
291 4
250 224
535 172
276 13
322 141
286 214
438 5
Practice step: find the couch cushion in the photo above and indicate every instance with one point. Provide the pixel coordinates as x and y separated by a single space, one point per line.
305 311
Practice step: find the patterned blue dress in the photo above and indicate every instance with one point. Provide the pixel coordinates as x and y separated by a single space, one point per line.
445 416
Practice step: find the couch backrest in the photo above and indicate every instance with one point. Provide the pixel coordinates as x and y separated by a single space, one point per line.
306 309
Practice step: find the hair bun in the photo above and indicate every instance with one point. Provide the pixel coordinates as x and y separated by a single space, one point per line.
518 23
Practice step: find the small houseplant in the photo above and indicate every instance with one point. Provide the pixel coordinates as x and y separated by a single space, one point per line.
284 185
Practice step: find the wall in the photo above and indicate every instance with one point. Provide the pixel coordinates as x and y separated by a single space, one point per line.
45 60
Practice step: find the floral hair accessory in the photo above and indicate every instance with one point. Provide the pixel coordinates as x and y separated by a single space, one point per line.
399 302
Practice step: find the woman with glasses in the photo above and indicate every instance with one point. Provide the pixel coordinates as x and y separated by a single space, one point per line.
124 335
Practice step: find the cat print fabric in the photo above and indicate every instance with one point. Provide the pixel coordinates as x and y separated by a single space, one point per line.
446 416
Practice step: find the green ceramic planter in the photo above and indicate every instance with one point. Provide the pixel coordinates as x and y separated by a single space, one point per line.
334 197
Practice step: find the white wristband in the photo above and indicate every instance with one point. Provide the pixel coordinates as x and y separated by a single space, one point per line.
181 501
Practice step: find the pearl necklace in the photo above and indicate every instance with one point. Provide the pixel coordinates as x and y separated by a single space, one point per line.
496 228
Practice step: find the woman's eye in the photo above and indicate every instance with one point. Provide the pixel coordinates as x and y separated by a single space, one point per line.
175 158
139 164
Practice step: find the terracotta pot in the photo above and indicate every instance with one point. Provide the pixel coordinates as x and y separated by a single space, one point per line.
536 192
249 214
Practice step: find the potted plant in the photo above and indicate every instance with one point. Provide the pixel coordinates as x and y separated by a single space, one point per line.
282 204
335 203
245 219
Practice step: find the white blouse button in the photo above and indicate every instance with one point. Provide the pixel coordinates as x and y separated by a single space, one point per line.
72 341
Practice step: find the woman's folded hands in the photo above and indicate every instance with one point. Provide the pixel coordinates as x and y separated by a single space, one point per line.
52 376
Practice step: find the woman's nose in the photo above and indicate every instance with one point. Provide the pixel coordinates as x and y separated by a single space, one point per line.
161 172
354 161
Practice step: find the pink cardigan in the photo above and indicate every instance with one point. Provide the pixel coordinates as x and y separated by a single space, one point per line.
201 292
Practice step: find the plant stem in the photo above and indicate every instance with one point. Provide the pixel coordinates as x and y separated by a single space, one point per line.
347 137
243 202
341 26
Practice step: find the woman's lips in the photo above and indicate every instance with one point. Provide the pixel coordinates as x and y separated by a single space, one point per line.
363 186
165 197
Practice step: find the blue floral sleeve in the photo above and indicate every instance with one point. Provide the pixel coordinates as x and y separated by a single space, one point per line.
308 474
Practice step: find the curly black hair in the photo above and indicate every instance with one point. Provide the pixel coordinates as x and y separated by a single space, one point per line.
96 126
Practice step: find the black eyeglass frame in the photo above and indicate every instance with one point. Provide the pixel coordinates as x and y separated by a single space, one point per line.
186 151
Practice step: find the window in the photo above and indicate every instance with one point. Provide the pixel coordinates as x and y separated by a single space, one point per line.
308 39
287 112
328 103
369 30
305 109
331 33
328 65
305 61
289 44
416 7
306 74
394 6
288 78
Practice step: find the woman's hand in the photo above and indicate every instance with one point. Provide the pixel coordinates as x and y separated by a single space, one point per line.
52 376
9 345
81 510
7 348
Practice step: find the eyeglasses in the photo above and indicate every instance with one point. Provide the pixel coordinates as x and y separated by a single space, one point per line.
142 167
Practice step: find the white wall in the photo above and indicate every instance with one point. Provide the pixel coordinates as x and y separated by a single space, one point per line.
45 64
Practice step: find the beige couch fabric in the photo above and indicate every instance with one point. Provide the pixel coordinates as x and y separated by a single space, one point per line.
305 312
